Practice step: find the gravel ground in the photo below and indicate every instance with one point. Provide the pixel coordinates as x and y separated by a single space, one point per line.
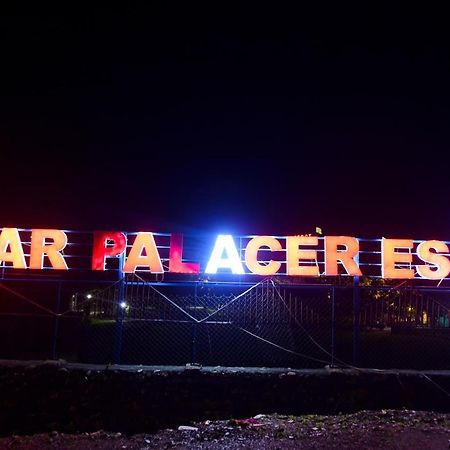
385 429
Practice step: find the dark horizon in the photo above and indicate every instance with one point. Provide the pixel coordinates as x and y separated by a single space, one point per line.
147 120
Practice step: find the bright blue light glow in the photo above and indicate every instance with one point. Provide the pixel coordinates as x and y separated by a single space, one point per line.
225 244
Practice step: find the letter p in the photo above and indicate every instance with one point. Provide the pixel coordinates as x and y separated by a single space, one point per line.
102 250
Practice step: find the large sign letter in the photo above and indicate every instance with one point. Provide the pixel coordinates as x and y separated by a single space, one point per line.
251 255
10 237
294 255
224 243
101 251
346 257
40 247
143 242
389 258
176 263
440 262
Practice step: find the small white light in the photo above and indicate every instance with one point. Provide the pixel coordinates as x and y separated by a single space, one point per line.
123 305
89 296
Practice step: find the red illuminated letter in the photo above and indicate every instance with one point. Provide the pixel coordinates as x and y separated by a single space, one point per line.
441 262
144 242
10 237
101 251
346 257
40 248
175 257
389 258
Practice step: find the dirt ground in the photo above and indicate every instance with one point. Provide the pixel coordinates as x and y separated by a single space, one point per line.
385 429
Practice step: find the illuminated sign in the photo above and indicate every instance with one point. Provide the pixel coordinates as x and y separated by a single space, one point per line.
158 253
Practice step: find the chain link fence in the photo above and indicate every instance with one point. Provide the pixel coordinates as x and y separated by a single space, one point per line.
263 325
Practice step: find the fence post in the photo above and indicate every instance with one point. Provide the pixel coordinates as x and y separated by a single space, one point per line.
194 331
56 328
356 320
119 313
333 327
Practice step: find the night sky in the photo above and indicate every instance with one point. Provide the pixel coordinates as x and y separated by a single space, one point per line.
200 120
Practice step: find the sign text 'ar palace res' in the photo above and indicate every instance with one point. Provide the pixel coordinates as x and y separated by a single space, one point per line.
306 256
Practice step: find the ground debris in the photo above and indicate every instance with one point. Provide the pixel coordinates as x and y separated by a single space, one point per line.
400 429
187 428
250 422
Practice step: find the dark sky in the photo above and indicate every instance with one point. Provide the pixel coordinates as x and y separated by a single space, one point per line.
199 120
